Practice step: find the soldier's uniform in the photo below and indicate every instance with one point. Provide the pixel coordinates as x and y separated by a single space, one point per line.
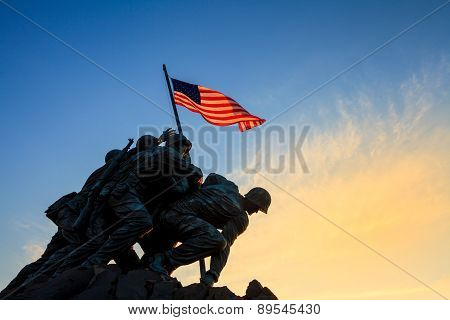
65 215
148 179
194 221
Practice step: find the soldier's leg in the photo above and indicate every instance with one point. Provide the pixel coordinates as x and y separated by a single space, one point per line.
134 221
79 252
97 233
198 238
56 259
155 242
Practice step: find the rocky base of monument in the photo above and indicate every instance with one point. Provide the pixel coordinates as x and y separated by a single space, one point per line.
111 283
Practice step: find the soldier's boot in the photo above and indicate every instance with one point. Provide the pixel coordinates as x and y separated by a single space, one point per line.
160 264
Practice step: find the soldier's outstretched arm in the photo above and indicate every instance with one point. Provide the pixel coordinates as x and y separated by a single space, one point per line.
232 229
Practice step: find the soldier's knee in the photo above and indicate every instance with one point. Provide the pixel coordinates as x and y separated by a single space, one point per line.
141 221
219 242
147 222
142 215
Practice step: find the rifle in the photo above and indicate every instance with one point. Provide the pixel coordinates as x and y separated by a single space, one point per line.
85 214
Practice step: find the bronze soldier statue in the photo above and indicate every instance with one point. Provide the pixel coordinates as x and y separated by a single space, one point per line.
194 221
146 180
152 195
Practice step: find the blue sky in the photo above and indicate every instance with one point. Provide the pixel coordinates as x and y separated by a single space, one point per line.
60 114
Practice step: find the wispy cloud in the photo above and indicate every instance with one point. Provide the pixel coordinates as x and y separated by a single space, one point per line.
33 251
379 167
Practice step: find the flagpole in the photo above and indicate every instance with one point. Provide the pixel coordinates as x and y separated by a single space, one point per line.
180 131
175 111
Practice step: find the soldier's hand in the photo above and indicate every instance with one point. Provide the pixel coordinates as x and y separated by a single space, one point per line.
208 280
166 135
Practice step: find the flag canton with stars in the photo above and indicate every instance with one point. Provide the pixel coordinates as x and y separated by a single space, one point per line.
190 90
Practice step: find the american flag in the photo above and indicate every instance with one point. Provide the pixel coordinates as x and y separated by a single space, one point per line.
215 107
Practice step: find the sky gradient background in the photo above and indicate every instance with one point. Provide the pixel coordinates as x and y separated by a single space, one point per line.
377 150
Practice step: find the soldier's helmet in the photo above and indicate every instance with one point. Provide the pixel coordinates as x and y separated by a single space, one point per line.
146 141
260 197
178 140
111 155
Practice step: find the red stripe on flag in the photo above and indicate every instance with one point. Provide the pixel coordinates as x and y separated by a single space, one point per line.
182 99
218 109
